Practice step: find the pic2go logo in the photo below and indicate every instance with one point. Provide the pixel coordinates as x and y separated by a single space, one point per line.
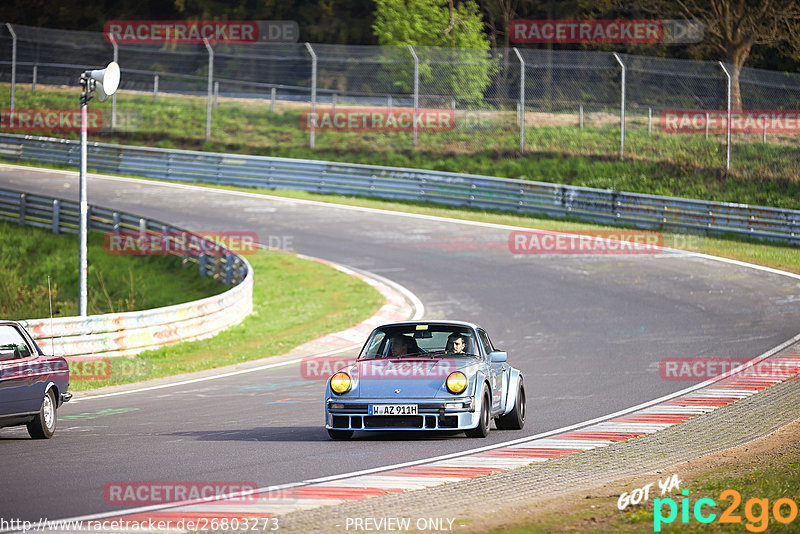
756 511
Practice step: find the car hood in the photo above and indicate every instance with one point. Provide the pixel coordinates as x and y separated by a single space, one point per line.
413 377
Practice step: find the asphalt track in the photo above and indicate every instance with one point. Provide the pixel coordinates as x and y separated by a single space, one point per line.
587 330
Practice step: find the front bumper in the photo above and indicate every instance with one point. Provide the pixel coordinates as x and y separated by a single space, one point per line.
458 413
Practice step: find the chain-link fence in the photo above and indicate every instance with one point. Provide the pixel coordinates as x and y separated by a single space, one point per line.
403 98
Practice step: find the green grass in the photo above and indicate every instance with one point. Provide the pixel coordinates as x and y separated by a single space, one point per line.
115 283
686 165
294 300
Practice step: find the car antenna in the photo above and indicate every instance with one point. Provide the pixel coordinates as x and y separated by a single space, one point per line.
52 335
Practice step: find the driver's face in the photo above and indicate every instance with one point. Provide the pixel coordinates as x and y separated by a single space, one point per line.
459 345
399 347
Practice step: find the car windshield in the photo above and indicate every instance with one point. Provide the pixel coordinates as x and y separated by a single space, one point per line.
420 340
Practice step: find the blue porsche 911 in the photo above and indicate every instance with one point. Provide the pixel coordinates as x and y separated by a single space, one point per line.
418 375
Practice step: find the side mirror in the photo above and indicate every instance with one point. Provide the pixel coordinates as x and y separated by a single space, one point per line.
498 356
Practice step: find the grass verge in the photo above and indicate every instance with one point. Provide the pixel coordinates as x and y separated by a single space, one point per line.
115 283
294 300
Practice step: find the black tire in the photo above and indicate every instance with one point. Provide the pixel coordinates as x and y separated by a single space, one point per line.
340 434
515 419
43 425
482 430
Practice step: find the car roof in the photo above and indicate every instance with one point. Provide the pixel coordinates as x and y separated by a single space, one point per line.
435 322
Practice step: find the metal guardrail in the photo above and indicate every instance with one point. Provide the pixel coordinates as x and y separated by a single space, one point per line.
125 334
475 191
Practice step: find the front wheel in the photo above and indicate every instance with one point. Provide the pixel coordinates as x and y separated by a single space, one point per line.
482 430
340 434
43 425
515 419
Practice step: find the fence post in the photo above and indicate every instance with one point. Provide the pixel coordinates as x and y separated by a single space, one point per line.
216 93
114 96
155 87
621 108
13 62
56 216
416 92
707 124
728 122
312 140
210 86
33 83
580 116
521 101
272 100
649 121
333 104
389 103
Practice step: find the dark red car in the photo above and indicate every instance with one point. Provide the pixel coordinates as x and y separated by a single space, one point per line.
32 385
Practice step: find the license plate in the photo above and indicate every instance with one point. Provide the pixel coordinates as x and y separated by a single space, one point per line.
392 409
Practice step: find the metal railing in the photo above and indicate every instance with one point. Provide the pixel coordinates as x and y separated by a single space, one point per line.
613 94
453 189
127 333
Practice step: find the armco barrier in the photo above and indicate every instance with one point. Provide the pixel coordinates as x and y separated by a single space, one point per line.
521 196
125 334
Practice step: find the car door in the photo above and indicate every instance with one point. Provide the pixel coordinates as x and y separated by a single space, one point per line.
495 372
18 383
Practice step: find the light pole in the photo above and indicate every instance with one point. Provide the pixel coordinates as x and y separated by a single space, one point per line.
108 79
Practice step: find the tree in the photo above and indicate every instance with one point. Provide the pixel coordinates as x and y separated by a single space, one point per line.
733 27
465 70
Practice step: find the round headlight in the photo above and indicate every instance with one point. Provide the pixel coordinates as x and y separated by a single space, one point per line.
456 382
340 383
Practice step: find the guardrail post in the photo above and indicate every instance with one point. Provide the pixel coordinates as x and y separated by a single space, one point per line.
114 96
155 87
115 222
23 204
210 84
203 260
142 227
333 104
13 63
312 140
228 271
56 216
728 125
521 101
416 92
621 109
33 82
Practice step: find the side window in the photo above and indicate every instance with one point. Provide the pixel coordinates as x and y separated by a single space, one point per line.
12 344
487 345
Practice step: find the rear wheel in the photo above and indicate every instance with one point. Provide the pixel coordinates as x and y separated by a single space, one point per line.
43 425
515 419
482 430
340 434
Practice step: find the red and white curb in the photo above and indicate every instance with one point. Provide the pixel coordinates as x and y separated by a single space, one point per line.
274 501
